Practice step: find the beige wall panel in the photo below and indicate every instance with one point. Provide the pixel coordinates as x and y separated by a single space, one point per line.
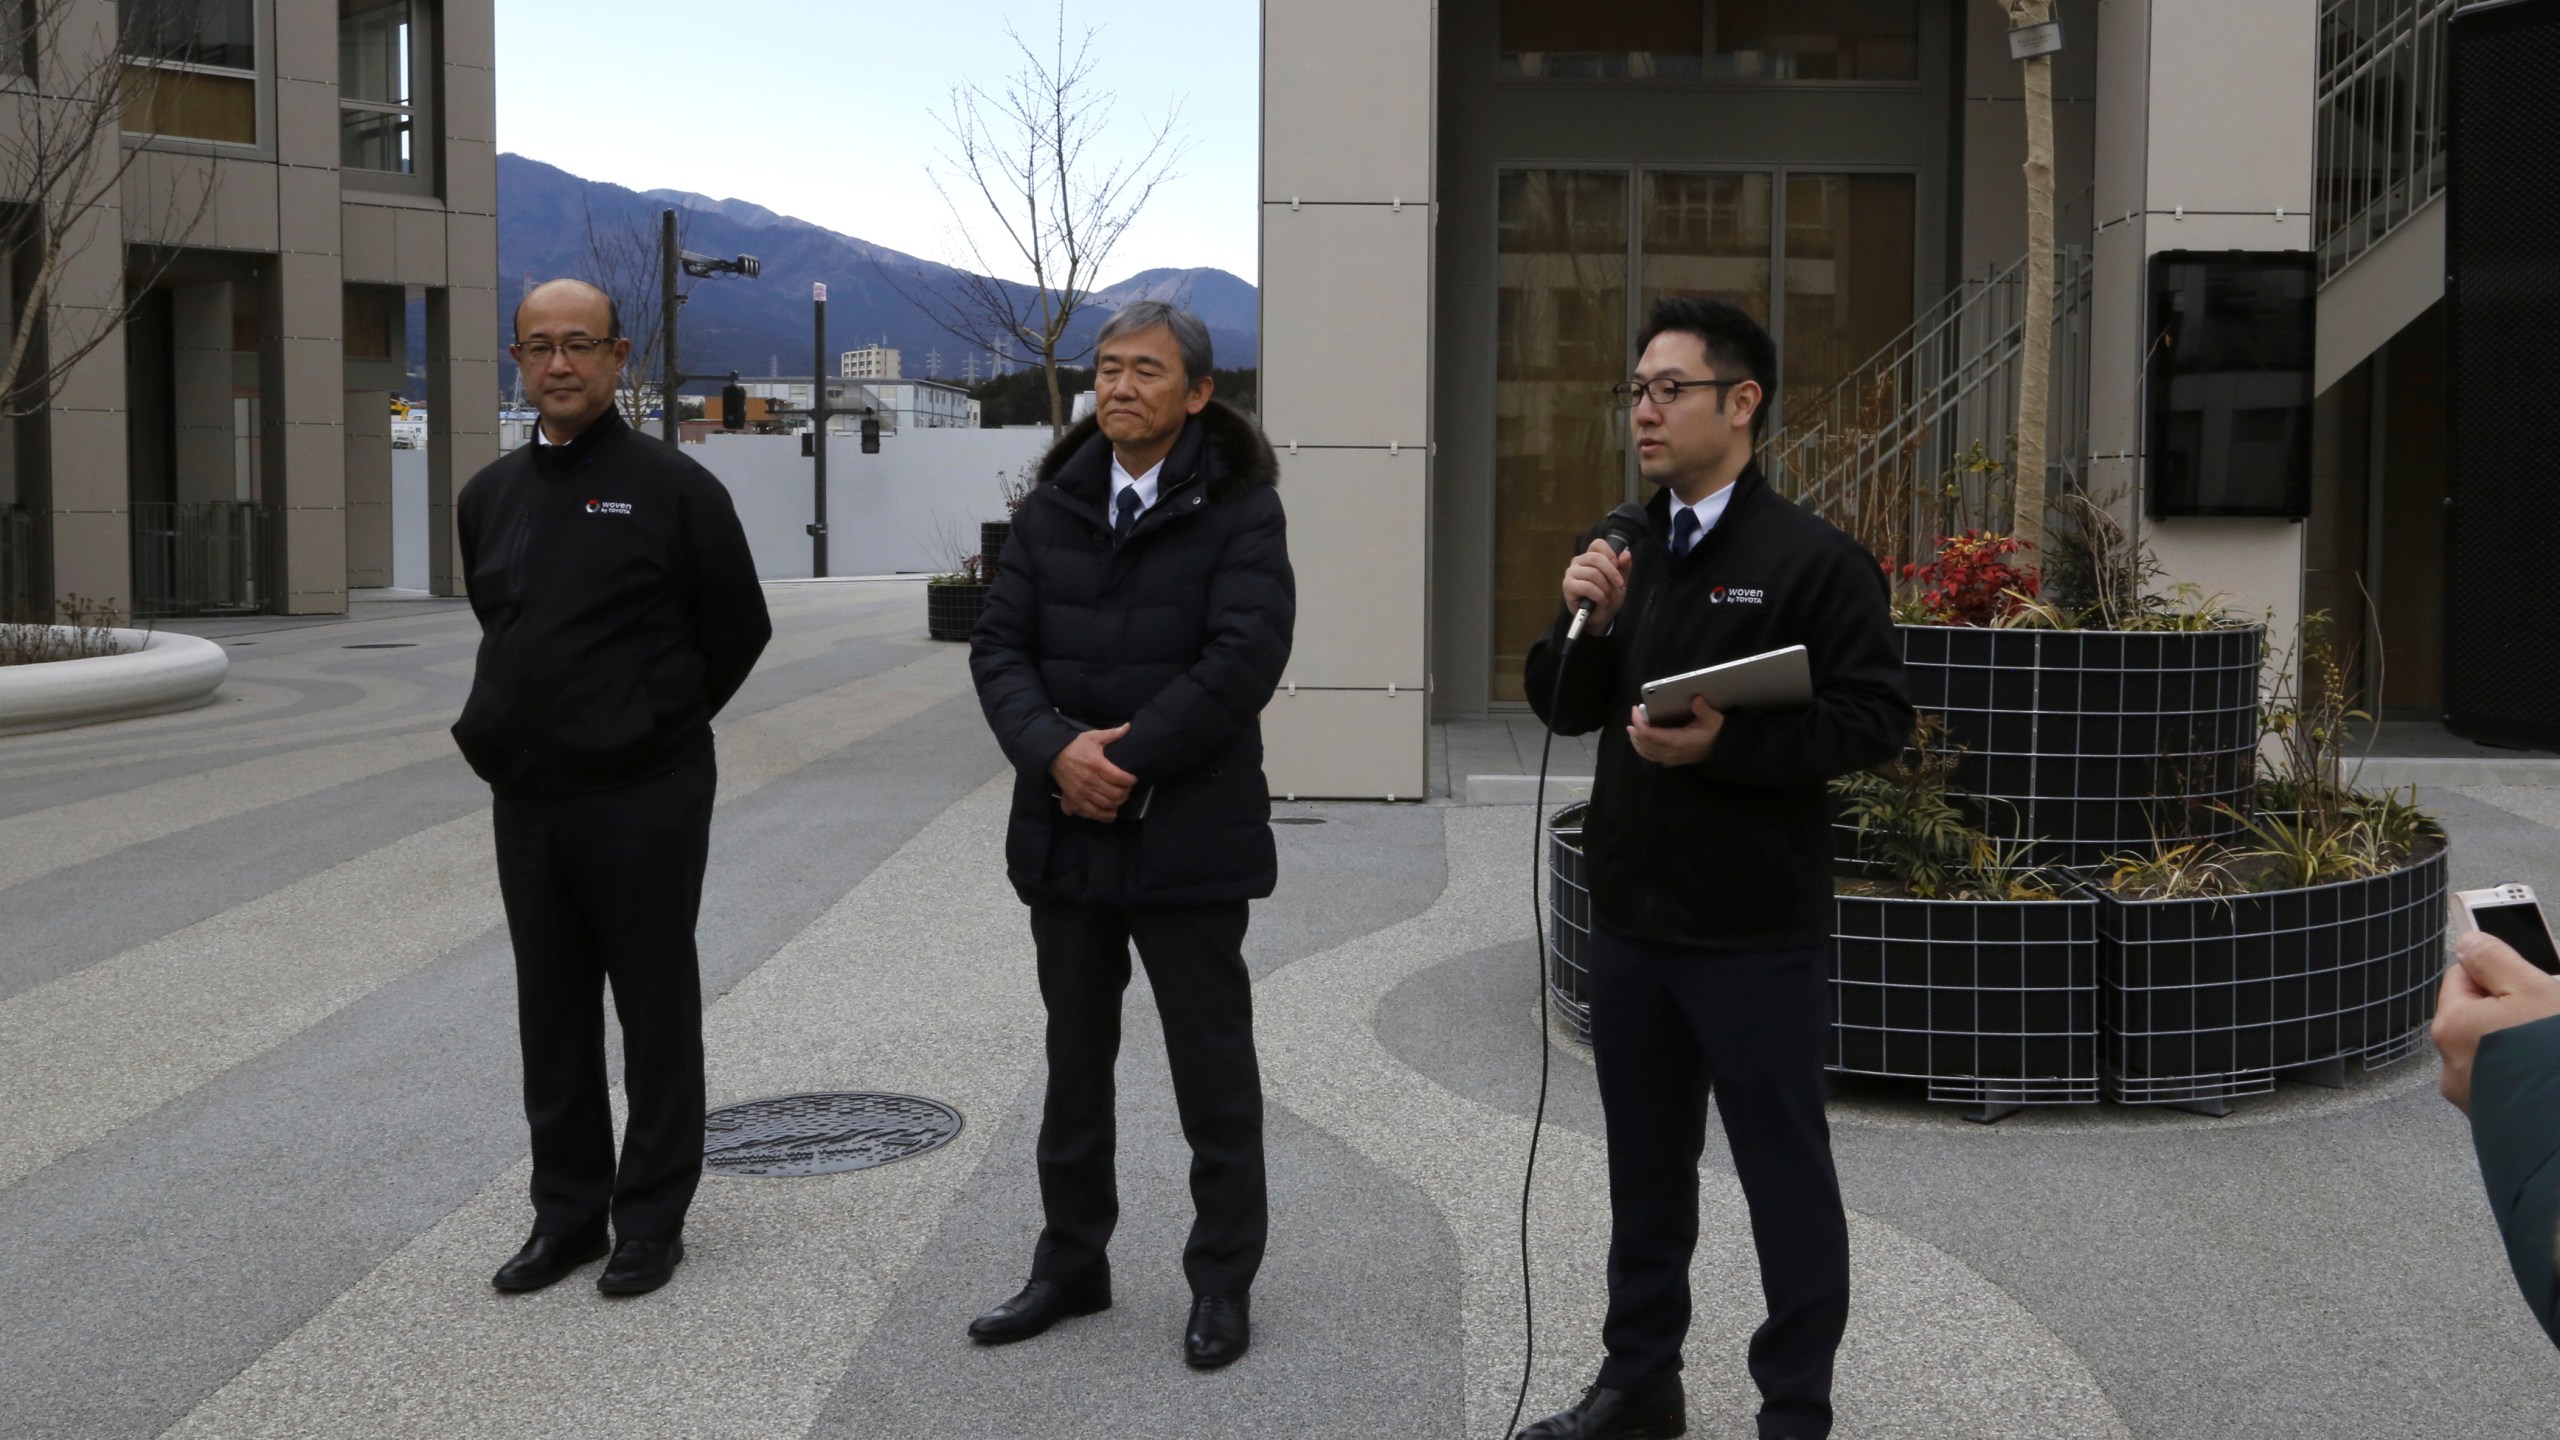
471 248
1345 744
244 207
2256 565
2115 340
471 103
471 176
97 383
2230 232
314 305
418 236
1346 324
92 554
470 33
315 548
475 333
2124 105
1357 522
1346 100
2379 295
307 122
307 211
369 253
88 448
2218 71
165 201
306 43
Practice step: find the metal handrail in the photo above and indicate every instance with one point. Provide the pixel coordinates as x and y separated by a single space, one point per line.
1916 442
2381 99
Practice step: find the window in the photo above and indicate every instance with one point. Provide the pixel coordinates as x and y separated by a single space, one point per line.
378 91
1745 41
191 68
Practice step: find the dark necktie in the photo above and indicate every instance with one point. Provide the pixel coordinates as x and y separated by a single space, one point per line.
1684 533
1125 512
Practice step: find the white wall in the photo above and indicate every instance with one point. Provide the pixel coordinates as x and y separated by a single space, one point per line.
409 519
882 510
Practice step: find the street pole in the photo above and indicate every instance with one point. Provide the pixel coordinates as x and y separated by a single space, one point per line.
818 442
667 302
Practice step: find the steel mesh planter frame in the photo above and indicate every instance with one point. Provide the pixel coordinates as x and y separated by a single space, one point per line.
1989 1002
2205 1000
952 608
1568 920
991 537
2093 742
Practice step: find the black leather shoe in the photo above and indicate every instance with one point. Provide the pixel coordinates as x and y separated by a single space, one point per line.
640 1266
546 1258
1659 1414
1219 1332
1035 1308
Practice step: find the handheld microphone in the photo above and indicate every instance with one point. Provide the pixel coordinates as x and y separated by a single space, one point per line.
1622 529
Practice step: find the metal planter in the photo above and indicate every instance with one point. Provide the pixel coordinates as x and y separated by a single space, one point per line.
1992 1003
1568 920
952 607
2204 1000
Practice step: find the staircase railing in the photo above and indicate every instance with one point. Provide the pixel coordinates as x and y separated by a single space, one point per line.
2382 106
1918 441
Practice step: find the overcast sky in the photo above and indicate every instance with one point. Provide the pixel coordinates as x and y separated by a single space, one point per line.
727 97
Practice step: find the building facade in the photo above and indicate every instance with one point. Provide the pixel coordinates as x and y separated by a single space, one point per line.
871 362
309 179
1466 209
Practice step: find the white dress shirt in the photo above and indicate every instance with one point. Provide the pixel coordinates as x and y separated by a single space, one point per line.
1145 485
1709 510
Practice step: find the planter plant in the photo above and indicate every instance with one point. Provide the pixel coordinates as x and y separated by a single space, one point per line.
954 601
1960 962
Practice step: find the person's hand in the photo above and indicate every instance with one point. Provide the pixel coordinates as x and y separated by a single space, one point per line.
1598 575
1090 787
1686 743
2488 987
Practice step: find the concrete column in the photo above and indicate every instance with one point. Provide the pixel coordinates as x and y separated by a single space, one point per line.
2205 140
368 434
207 452
462 416
1349 202
85 486
301 407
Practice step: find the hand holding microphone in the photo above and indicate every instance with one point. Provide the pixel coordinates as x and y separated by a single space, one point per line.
1595 584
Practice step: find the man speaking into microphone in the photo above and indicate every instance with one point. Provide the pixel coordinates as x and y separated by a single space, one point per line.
1709 863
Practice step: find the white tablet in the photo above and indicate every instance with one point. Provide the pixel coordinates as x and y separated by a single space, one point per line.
1778 680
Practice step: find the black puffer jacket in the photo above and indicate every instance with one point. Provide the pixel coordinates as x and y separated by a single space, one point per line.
1181 631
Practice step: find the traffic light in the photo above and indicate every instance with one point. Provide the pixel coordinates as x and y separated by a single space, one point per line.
870 436
733 407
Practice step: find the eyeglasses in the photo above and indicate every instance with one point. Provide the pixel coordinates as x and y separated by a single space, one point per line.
1663 392
580 349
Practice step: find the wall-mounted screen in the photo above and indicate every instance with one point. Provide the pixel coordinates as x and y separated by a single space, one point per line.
2229 382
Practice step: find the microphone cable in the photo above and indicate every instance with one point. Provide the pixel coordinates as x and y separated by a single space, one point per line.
1538 1119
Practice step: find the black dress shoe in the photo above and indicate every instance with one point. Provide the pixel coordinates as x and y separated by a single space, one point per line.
640 1266
1658 1414
1038 1306
1219 1332
546 1258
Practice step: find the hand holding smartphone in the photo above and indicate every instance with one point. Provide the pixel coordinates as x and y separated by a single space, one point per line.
2509 913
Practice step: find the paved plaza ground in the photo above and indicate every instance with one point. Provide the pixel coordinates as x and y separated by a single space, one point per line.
262 1141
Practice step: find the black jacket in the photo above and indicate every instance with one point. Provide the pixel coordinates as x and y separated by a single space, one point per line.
1181 631
1733 853
618 610
2515 1125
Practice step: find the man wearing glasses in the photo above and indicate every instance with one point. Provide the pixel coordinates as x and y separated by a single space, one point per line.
619 611
1709 859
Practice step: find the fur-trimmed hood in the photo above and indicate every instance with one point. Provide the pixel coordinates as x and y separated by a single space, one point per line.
1220 439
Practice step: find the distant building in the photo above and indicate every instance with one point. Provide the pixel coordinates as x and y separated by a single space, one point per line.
872 362
896 404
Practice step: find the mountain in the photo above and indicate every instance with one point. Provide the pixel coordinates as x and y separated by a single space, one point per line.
761 326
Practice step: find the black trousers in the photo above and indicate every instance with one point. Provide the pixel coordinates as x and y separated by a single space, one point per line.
607 887
1194 956
1667 1025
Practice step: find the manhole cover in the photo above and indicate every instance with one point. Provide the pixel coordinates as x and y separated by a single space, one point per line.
384 645
823 1134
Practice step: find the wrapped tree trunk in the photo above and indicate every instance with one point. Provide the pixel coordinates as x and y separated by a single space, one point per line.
2035 355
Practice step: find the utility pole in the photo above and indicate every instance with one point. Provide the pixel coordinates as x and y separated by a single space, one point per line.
819 411
668 300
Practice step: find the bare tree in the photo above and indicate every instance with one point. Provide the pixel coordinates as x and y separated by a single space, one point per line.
67 147
1024 160
623 262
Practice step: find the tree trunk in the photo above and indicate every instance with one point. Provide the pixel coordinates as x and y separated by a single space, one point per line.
2035 356
1057 412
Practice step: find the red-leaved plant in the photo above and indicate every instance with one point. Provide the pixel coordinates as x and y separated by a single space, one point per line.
1974 580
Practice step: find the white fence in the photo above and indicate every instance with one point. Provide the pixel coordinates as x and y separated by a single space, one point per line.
915 506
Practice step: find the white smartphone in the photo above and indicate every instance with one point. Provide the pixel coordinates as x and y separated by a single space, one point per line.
2509 913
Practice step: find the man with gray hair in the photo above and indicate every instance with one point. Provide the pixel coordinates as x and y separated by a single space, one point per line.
1139 622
